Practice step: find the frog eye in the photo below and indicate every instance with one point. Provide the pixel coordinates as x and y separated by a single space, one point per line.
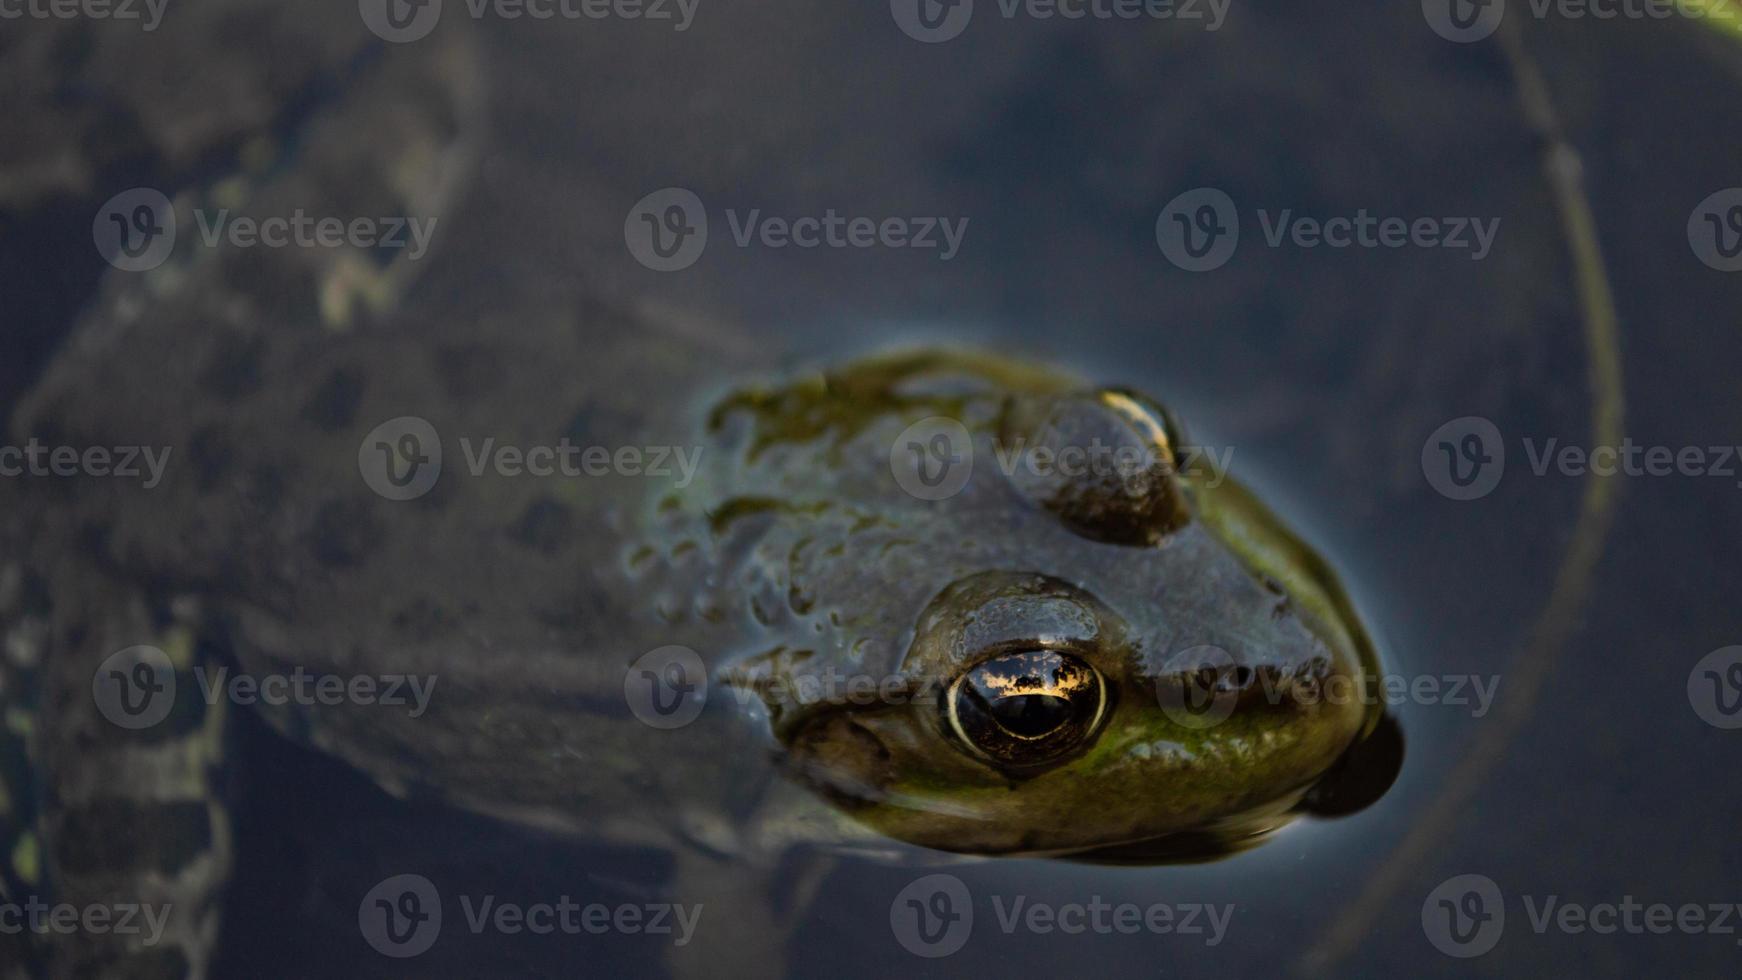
1026 709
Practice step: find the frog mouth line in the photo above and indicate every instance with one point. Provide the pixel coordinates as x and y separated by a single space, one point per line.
1171 848
852 792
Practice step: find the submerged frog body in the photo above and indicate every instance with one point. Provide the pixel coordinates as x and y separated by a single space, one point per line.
1135 670
1116 662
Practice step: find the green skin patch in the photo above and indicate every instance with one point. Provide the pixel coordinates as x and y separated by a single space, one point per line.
27 859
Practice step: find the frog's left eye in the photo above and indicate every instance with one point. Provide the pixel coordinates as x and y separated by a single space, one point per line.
1026 709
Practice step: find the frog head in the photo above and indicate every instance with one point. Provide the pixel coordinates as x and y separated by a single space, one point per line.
1125 659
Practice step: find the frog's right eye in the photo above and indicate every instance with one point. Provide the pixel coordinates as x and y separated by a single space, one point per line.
1104 462
1026 709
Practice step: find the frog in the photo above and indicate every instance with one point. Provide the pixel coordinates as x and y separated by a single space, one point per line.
1126 662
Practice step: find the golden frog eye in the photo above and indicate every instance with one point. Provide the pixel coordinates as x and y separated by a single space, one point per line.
1026 709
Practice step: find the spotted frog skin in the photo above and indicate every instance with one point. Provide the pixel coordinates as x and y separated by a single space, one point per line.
1035 638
